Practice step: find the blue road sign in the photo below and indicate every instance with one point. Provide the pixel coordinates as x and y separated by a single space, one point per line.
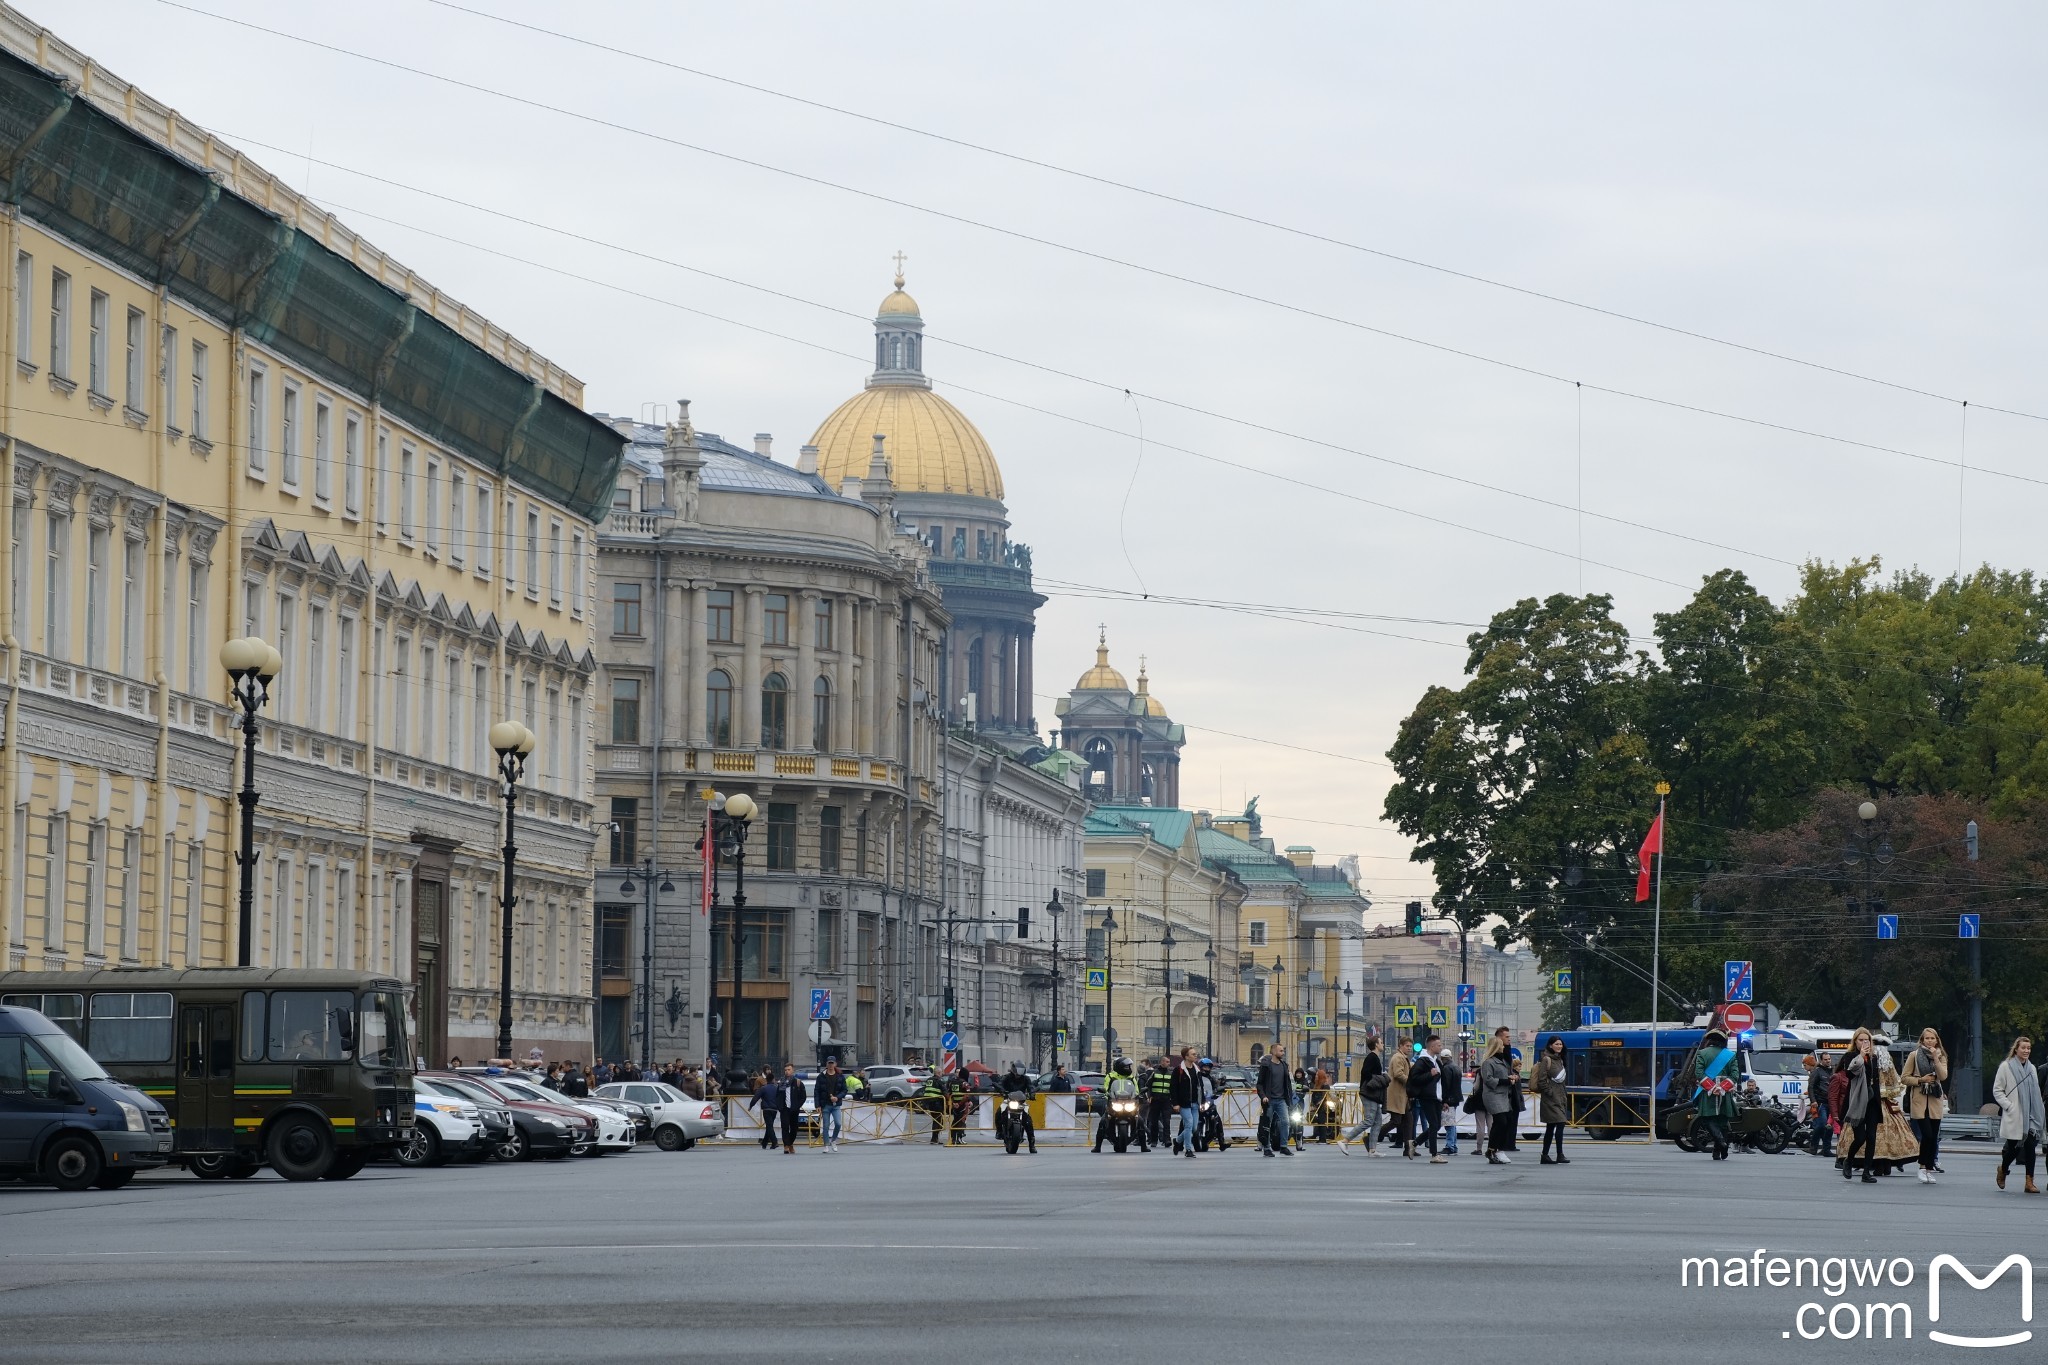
1439 1017
1589 1016
1098 978
949 1041
821 1003
1740 982
1966 927
1561 981
1887 926
1468 1015
1468 994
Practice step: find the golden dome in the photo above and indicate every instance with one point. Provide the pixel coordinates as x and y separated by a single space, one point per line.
1102 678
932 447
1153 707
898 303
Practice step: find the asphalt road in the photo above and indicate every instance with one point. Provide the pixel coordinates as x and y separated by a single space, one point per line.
909 1253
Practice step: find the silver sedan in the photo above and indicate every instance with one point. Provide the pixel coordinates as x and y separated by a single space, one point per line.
679 1121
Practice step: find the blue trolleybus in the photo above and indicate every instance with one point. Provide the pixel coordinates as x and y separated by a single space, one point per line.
1607 1073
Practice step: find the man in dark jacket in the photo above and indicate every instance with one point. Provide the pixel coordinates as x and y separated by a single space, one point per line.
1453 1096
1016 1085
575 1084
789 1102
1425 1092
830 1094
1276 1090
1186 1094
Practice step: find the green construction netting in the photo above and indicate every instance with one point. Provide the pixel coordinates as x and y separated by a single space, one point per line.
117 194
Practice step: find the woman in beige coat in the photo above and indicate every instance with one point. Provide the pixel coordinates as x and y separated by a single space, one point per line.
1398 1058
1926 1103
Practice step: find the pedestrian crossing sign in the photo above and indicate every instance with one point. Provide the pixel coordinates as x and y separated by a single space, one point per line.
1439 1018
1404 1016
1098 978
1310 1020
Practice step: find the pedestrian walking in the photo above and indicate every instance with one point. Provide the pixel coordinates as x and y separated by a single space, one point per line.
1863 1104
1451 1097
1553 1101
1372 1095
765 1099
1715 1068
1425 1097
1818 1077
1399 1060
1500 1088
830 1095
2023 1116
789 1102
1926 1101
1187 1098
1276 1090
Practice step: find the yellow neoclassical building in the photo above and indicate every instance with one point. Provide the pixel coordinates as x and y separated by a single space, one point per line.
224 414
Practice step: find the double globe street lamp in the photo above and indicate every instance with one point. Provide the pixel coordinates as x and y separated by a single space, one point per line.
731 818
251 663
512 742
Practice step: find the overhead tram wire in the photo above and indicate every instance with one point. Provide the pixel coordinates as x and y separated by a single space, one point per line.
1306 234
1576 507
1050 243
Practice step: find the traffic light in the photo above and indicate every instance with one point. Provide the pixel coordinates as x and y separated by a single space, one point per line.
1023 921
952 1011
1414 917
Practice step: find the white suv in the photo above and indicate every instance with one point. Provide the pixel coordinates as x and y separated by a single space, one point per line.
895 1082
442 1128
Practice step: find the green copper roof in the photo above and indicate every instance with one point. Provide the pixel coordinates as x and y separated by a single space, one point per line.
1167 826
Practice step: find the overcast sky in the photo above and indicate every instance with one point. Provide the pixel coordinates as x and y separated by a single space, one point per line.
1856 185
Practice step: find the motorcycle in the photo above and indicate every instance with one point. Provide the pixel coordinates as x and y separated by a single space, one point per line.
1209 1128
1010 1120
1122 1122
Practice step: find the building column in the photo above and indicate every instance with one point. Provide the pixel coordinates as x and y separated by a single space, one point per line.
802 733
861 709
844 614
678 647
696 728
1012 713
748 703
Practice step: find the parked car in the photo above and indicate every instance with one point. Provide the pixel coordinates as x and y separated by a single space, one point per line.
680 1122
895 1082
643 1122
538 1130
63 1120
492 1114
442 1127
614 1128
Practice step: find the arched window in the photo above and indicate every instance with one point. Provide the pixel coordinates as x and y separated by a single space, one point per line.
775 712
880 351
821 715
1145 781
895 353
910 349
1101 756
718 707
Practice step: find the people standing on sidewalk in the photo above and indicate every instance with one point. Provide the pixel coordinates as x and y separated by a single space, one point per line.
1863 1106
2022 1115
1372 1094
1553 1101
1276 1091
831 1094
1500 1087
1926 1074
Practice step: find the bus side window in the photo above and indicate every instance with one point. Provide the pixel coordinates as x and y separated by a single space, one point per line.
192 1045
252 1026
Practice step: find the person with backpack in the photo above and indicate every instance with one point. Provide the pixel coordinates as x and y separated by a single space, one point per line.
1452 1097
1372 1097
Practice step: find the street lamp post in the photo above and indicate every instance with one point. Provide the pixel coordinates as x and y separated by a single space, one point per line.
512 742
1279 980
1108 989
1168 944
1347 1030
251 664
733 821
668 886
1869 854
1209 960
1055 910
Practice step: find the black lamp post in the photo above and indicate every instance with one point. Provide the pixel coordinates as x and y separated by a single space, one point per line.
731 822
1055 909
1167 944
1108 988
668 887
1209 959
1870 854
1279 980
512 742
251 664
1347 1030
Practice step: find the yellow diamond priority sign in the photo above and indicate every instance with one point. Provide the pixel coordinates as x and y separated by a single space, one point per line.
1891 1005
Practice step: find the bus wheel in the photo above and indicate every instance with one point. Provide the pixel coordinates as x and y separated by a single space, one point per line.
346 1164
72 1162
212 1166
299 1148
246 1165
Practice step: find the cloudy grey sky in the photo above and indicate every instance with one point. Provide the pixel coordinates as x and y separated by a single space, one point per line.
1858 185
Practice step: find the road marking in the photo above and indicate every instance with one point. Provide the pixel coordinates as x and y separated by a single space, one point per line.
609 1246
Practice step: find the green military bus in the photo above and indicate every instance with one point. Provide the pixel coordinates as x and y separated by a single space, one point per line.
307 1071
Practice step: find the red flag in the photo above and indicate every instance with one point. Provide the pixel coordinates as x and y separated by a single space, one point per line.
1653 842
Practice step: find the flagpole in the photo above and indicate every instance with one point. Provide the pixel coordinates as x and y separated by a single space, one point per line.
1656 947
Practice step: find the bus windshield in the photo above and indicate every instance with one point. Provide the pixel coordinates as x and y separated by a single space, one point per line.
383 1030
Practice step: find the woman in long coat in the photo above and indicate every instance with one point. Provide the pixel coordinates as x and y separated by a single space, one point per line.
2017 1089
1554 1103
1926 1073
1396 1126
1500 1090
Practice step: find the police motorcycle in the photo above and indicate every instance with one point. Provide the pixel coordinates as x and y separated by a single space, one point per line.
1121 1122
1209 1115
1013 1111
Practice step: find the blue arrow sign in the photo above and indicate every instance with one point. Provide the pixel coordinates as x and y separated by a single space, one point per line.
1739 981
821 1003
1468 1015
1468 994
1966 927
949 1041
1887 926
1589 1016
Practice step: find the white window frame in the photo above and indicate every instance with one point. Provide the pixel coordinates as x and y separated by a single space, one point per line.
60 324
195 902
430 523
56 585
133 576
555 562
426 744
195 628
383 480
257 437
24 310
316 666
136 358
288 439
532 553
98 545
352 466
202 395
486 503
96 889
99 322
131 895
345 674
454 735
408 510
167 376
323 450
345 917
458 515
312 932
576 574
